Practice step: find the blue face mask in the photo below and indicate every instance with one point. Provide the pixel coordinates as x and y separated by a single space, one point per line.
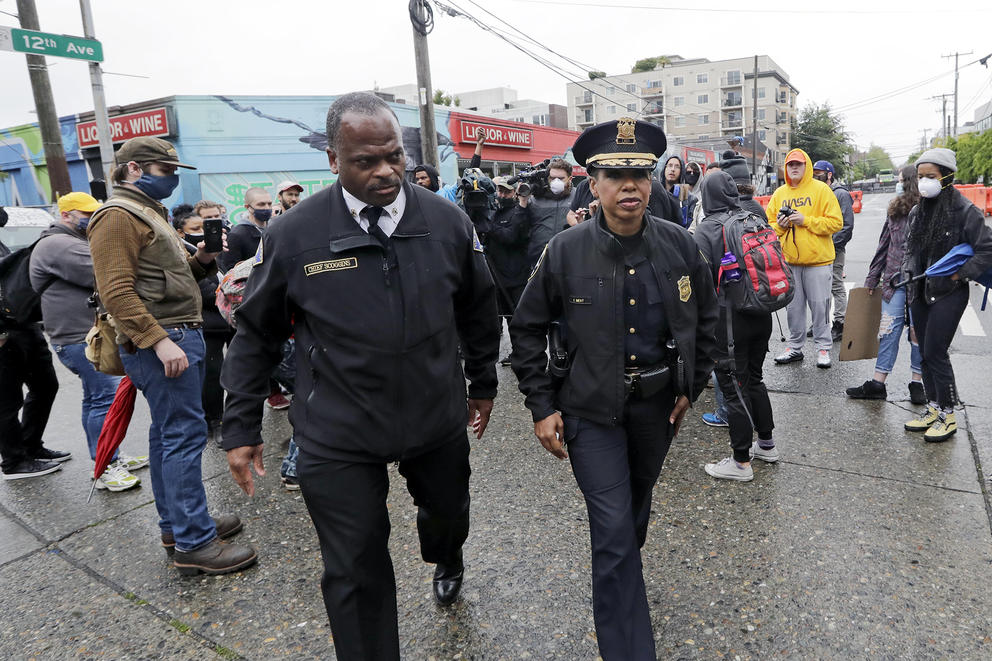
261 215
157 188
82 223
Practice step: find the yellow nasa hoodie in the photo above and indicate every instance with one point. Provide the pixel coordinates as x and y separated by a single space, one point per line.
809 244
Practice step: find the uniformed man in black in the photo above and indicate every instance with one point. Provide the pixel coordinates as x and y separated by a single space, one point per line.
637 310
380 280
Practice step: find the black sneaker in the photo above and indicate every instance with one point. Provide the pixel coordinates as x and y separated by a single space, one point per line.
916 393
31 468
290 483
837 331
56 456
870 389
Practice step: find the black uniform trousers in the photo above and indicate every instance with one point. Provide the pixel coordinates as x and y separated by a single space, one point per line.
24 360
935 325
751 334
213 392
347 502
616 468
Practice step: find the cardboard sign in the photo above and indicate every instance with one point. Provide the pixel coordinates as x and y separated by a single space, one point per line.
864 314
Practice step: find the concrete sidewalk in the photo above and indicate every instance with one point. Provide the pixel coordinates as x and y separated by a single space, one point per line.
863 542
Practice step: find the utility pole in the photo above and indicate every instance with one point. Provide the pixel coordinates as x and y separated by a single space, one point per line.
944 119
956 54
924 143
754 124
48 121
423 23
99 101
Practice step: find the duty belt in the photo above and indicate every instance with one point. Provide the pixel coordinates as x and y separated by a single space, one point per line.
643 383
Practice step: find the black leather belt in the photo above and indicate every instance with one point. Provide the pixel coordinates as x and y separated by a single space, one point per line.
642 383
192 325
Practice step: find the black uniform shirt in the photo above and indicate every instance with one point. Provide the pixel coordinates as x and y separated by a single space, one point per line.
643 311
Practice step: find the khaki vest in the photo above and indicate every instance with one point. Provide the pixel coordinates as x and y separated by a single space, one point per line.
163 280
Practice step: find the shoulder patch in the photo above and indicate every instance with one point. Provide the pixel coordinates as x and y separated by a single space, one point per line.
540 260
476 243
258 258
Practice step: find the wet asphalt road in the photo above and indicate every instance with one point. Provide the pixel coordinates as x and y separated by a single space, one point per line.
863 542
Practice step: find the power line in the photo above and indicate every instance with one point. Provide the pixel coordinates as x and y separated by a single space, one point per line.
711 10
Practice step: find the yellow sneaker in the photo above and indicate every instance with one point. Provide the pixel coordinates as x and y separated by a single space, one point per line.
942 429
923 421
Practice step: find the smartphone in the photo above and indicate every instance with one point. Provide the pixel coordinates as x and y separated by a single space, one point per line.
213 235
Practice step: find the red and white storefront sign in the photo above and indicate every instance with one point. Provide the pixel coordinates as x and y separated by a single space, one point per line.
151 123
496 135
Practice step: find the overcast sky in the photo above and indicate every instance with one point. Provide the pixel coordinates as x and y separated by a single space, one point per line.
846 53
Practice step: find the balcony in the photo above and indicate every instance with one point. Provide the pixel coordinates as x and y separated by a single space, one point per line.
733 102
652 92
653 109
782 140
584 100
731 125
726 82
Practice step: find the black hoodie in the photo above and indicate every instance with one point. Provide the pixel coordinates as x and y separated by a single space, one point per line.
431 174
720 196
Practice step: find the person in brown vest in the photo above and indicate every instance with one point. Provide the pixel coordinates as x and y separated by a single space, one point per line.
147 281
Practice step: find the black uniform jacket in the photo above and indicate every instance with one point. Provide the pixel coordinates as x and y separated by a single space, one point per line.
579 279
378 373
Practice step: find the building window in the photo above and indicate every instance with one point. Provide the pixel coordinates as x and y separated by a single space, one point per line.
704 119
680 121
702 78
702 99
761 92
702 137
678 101
632 88
733 77
632 107
678 81
761 114
588 115
653 84
761 135
540 120
611 109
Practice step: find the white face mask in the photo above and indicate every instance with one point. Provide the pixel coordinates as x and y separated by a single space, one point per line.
930 188
557 186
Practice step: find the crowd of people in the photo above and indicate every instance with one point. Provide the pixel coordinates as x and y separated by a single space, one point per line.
624 294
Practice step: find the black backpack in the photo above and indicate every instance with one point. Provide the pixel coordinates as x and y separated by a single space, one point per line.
20 304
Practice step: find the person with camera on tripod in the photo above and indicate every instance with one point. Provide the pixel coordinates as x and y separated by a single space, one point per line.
549 205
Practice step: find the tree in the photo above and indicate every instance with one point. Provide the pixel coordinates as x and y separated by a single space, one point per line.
874 160
821 134
442 99
649 64
974 156
593 75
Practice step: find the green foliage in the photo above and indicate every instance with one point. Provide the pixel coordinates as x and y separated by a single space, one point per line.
974 156
593 75
821 134
442 99
874 160
648 64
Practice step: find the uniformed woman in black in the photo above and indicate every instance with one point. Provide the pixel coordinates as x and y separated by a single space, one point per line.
637 312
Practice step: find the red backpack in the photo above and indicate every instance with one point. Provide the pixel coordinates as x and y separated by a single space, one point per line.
768 284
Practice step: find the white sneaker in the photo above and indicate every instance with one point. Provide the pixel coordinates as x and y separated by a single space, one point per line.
117 478
789 356
728 469
770 455
132 463
823 358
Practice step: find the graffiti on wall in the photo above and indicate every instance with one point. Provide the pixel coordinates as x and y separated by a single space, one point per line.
22 159
229 188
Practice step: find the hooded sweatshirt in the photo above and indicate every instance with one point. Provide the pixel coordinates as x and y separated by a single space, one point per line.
62 260
811 243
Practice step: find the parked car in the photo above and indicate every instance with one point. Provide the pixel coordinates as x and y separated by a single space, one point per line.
24 225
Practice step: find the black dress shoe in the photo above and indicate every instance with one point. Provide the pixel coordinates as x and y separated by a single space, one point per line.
448 582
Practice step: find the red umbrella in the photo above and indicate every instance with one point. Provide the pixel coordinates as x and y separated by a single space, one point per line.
114 428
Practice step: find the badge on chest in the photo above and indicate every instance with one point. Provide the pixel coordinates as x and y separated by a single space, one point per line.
330 265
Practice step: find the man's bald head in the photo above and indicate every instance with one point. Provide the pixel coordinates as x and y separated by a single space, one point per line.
254 193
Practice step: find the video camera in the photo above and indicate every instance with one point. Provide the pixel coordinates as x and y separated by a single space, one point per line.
476 191
533 179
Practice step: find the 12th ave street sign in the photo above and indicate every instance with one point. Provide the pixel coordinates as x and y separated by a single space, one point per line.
54 45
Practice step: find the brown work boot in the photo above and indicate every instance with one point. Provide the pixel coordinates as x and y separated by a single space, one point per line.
228 525
217 557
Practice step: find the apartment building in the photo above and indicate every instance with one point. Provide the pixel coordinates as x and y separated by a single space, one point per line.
694 99
499 102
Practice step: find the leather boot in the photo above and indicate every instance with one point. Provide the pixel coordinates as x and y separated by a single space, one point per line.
448 581
217 557
228 525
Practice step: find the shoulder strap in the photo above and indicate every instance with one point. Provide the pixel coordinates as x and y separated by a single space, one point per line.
144 212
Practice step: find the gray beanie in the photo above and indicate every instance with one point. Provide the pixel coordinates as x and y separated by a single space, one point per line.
939 156
737 168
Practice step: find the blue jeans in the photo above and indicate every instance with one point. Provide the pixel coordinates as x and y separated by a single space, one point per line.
721 401
288 468
890 335
176 438
98 390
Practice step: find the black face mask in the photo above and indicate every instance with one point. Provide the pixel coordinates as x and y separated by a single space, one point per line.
506 202
821 177
691 177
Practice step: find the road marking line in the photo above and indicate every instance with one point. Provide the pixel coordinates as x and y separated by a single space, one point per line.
970 323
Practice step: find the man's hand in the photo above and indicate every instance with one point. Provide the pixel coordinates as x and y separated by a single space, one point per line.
572 218
479 411
207 258
173 358
241 461
550 432
593 208
797 219
678 413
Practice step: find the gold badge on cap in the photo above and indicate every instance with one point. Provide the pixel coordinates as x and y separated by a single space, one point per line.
625 131
685 289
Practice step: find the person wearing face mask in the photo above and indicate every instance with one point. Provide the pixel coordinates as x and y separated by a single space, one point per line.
549 210
824 171
146 280
243 239
62 269
942 220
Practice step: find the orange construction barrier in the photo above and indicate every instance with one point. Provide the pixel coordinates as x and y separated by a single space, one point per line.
763 200
988 201
856 200
977 194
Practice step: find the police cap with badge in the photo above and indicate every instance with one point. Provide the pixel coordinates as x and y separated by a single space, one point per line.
624 143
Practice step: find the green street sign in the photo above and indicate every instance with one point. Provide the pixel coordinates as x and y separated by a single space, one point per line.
53 45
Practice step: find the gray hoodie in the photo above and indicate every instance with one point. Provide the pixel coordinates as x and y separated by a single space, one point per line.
62 258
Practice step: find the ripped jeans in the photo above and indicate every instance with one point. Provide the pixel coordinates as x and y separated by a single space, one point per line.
890 335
